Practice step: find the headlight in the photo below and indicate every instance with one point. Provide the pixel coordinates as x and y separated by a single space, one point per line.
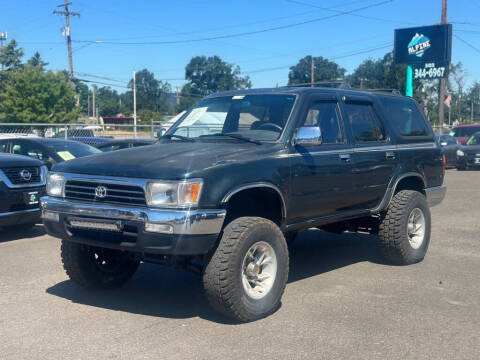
184 193
55 184
460 153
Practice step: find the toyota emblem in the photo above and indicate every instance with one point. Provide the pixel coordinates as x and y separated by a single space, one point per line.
25 175
101 192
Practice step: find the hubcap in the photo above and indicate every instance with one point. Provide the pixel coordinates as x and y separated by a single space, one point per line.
416 228
259 269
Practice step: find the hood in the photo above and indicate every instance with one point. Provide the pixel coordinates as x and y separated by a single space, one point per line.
11 160
471 149
170 161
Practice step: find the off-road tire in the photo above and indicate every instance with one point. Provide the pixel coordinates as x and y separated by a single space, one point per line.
222 277
393 228
83 265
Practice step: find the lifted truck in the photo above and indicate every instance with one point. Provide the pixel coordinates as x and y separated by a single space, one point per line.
237 177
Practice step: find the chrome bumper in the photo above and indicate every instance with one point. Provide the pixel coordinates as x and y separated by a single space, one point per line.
187 222
435 195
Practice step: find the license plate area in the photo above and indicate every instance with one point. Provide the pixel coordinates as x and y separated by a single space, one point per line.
95 224
31 197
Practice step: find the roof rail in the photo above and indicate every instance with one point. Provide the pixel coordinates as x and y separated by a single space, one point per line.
387 91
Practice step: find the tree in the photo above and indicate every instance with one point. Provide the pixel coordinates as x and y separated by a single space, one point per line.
32 95
324 70
109 102
151 93
36 60
83 92
207 75
11 56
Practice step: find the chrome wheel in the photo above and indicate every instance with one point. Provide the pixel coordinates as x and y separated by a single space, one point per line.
416 228
259 269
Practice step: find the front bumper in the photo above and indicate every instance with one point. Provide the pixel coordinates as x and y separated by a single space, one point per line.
435 195
20 217
187 232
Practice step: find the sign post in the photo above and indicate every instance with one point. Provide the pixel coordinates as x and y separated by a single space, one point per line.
426 50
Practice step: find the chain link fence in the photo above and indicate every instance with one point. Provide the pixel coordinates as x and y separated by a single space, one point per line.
90 134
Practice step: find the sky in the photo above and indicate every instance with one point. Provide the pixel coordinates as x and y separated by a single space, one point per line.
301 27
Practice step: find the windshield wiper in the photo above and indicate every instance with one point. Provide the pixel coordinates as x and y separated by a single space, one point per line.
236 136
183 138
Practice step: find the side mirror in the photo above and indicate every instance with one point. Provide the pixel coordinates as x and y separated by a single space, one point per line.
161 132
308 136
443 143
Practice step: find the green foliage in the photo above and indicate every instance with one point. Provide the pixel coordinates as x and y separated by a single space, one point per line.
11 56
109 102
151 93
36 60
147 117
83 92
32 95
325 70
207 75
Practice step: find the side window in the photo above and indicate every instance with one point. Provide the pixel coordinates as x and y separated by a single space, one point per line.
405 116
364 122
28 150
325 115
3 147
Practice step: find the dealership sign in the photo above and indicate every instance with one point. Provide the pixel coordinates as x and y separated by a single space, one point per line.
421 45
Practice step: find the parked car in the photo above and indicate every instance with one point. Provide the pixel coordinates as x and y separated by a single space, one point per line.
235 180
22 183
463 132
49 151
468 155
450 146
86 136
113 145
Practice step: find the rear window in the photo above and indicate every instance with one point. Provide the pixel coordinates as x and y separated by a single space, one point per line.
405 117
465 131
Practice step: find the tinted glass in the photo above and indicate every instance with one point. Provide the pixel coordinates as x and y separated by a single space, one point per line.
32 150
474 140
366 126
325 115
405 116
260 117
67 150
465 131
3 147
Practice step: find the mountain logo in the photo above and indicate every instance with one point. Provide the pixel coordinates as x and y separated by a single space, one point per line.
418 45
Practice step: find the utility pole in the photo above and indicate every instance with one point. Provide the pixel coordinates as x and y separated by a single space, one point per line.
88 105
177 97
312 73
3 37
67 13
441 92
94 90
134 106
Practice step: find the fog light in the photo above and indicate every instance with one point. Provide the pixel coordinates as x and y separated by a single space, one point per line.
159 228
51 216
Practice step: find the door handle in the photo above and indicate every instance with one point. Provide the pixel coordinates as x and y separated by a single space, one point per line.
390 155
345 157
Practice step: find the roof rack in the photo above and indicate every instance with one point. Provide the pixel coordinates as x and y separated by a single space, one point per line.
387 91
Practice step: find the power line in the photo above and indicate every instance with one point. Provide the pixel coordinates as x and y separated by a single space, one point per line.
467 43
246 33
357 15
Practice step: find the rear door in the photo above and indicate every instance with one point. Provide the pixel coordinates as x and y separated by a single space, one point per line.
321 174
374 156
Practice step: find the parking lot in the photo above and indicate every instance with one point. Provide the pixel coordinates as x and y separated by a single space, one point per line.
342 301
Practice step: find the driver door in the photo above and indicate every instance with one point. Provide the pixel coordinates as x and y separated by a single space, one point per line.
321 182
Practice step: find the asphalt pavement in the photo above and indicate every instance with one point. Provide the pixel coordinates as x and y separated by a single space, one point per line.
342 301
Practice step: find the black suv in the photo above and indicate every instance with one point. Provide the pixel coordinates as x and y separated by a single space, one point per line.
237 177
22 183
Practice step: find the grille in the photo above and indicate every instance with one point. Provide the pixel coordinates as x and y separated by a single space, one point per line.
13 174
132 195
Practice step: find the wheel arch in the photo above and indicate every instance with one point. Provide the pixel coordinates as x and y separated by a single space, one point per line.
405 181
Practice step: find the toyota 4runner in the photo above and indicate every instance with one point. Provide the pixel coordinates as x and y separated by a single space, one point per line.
237 177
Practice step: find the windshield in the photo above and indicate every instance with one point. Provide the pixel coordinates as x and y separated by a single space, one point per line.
474 140
71 150
258 117
464 131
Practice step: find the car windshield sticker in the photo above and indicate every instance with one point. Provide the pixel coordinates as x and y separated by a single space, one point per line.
194 116
66 155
